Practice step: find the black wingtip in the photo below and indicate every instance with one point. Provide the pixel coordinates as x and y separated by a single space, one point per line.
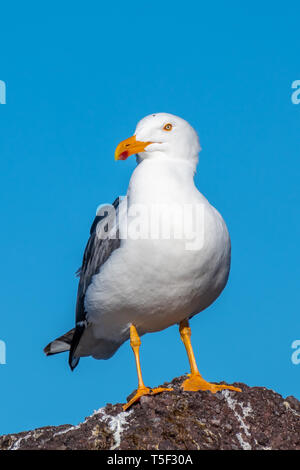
47 350
73 362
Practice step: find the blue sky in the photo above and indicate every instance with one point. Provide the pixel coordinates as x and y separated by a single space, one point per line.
78 80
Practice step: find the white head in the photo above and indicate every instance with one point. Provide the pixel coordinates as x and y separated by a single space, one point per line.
162 135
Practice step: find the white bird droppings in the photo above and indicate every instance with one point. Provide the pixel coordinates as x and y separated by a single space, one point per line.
246 411
117 424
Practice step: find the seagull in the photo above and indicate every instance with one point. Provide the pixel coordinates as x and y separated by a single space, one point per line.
155 258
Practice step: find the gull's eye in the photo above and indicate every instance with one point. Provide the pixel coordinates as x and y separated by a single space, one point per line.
168 127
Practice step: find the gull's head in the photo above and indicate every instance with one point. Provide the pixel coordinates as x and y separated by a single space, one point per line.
161 135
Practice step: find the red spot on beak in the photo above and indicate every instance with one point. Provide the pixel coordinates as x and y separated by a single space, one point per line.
124 155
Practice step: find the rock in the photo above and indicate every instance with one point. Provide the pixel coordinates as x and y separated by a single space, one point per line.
257 418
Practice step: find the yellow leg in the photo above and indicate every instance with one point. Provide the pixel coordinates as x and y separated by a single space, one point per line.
195 381
135 343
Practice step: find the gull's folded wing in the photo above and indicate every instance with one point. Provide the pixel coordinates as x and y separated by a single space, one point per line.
97 251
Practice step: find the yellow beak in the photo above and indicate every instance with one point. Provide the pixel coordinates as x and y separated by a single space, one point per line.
129 147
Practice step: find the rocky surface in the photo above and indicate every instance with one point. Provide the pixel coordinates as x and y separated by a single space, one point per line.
257 418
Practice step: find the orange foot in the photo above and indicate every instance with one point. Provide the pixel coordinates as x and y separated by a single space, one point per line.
196 382
145 391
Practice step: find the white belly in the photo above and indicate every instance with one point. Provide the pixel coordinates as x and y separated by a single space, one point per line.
154 284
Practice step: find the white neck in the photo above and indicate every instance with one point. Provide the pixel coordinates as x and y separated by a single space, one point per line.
162 180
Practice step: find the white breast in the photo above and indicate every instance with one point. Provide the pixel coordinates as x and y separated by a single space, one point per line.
156 283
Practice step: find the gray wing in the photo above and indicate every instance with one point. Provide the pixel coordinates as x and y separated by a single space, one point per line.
97 251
